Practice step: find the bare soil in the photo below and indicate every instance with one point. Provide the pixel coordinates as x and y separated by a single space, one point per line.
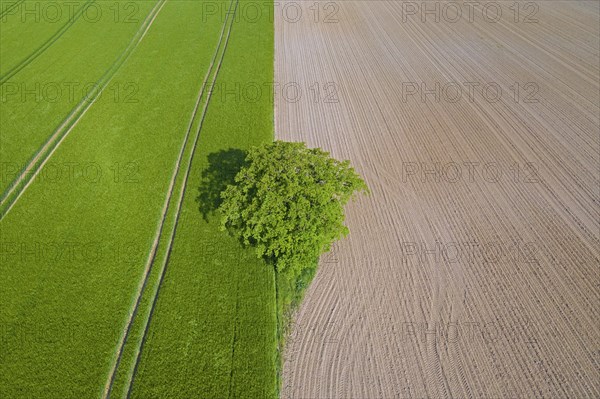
473 268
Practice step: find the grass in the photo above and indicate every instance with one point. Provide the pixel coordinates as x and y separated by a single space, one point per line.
213 333
74 246
36 100
39 26
74 249
45 23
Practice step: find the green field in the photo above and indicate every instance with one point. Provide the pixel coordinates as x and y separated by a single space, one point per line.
115 277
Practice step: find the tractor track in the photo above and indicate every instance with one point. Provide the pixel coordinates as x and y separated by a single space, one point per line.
214 70
18 186
53 39
10 8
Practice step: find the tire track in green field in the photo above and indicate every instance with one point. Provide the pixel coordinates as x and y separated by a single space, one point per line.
71 21
10 8
159 230
131 375
18 186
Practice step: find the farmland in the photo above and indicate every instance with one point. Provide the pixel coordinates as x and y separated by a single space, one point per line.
472 269
95 183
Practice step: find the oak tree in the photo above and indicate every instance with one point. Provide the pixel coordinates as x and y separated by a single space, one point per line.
288 203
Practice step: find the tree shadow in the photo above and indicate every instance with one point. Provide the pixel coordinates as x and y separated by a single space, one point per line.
222 167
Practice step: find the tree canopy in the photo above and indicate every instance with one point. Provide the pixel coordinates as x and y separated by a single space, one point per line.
287 201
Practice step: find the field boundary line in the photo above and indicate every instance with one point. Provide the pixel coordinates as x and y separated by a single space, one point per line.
54 141
180 201
159 230
47 44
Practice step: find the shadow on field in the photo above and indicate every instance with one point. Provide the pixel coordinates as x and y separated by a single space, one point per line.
221 170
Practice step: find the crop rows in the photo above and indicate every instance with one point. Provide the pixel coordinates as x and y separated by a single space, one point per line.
472 270
89 258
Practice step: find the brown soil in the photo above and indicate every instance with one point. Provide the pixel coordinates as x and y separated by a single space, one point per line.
473 268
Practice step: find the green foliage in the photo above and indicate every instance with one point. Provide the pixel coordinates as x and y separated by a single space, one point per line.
64 303
288 203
